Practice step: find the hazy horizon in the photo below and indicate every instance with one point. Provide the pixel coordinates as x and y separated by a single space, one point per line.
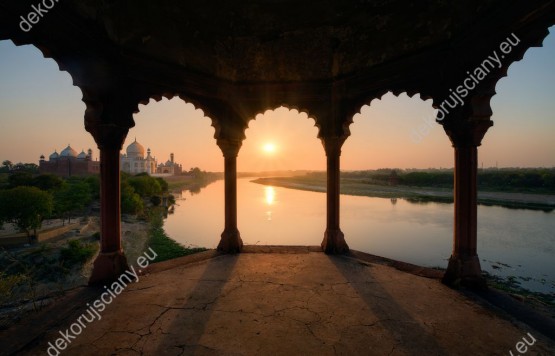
41 111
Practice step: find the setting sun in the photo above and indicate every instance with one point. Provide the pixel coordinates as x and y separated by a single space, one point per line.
269 148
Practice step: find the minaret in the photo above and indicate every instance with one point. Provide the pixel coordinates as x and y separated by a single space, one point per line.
148 164
171 157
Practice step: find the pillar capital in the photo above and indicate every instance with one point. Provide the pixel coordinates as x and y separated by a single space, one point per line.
466 133
108 117
108 136
229 147
332 144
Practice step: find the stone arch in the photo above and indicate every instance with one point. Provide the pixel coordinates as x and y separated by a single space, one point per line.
285 128
187 99
60 78
291 108
367 100
392 120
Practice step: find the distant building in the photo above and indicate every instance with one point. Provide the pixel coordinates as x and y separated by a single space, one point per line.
170 167
69 163
134 161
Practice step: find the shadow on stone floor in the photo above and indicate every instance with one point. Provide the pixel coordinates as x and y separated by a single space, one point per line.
409 334
188 322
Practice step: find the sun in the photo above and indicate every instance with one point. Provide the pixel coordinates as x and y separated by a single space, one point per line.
269 148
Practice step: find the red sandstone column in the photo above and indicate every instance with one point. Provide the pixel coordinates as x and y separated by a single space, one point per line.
464 264
111 261
334 240
231 238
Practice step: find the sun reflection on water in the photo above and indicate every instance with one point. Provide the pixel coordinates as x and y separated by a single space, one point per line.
270 195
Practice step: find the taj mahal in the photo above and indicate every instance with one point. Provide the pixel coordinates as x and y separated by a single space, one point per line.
134 161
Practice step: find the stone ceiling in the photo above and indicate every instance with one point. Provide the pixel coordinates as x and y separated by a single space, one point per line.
279 40
263 53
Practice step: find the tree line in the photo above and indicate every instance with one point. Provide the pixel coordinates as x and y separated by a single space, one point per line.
27 198
533 180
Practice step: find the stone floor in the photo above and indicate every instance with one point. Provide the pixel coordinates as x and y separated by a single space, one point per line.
290 302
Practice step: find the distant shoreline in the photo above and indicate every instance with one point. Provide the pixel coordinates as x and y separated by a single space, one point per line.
414 194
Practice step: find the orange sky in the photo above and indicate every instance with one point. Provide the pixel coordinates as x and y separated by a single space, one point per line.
41 111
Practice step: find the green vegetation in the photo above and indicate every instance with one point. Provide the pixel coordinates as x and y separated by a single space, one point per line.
436 185
26 207
8 284
142 190
77 253
71 197
41 271
25 274
530 180
165 247
131 202
512 286
28 199
8 167
145 185
194 180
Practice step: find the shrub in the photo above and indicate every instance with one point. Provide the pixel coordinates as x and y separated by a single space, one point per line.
76 253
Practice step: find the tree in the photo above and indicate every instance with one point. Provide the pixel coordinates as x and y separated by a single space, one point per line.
163 184
26 207
26 167
131 202
7 164
145 185
48 182
195 172
20 178
3 208
72 197
94 185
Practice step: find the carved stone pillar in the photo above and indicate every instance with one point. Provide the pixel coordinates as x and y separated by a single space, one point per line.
231 238
334 240
111 261
464 265
108 119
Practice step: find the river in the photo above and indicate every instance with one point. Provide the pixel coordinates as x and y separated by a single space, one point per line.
513 243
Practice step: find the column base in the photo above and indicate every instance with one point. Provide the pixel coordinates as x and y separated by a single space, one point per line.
465 271
230 242
334 242
108 267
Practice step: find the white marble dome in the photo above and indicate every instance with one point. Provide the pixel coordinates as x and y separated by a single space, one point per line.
135 150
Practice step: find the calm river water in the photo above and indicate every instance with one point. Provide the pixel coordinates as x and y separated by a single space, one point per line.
511 242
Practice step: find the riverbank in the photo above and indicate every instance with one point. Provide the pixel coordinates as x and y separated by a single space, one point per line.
413 194
192 183
40 274
165 247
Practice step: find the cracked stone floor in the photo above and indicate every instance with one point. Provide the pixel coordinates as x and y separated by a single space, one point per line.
293 304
